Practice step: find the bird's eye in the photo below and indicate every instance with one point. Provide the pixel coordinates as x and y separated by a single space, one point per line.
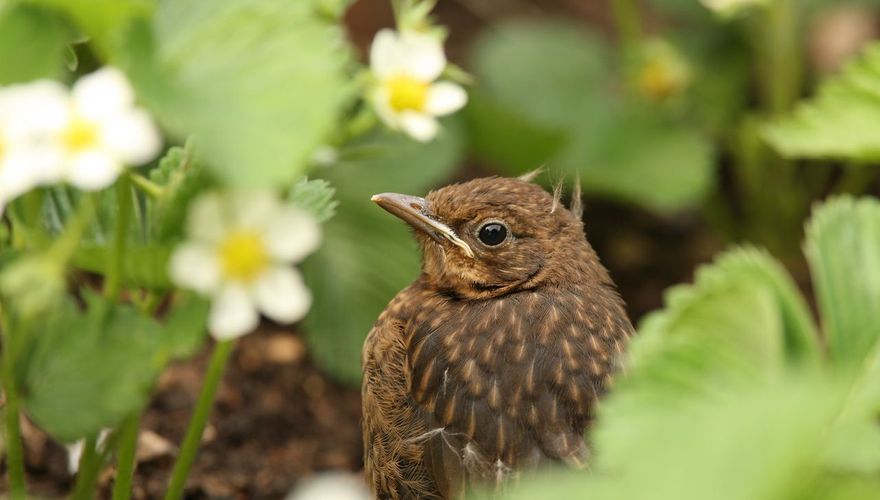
493 234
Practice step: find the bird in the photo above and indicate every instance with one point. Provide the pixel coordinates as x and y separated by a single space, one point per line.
492 361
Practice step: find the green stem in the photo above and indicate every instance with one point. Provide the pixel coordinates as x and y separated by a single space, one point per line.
149 187
14 452
628 23
65 246
780 57
200 417
89 466
125 457
113 275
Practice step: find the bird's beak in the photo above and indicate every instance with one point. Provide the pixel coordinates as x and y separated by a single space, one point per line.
414 211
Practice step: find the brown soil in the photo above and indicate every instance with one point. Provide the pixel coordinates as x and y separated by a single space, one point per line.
277 420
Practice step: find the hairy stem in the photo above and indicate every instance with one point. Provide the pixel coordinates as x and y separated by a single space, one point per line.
200 417
113 275
89 466
125 457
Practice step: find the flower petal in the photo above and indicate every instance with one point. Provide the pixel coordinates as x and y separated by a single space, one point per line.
92 170
232 313
19 172
419 126
292 234
195 265
207 218
281 295
445 98
102 94
30 111
383 53
253 208
132 136
422 55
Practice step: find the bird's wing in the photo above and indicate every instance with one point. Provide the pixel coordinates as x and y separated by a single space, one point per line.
511 383
393 460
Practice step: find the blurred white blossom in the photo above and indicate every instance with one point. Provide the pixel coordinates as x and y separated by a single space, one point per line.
102 131
84 136
407 97
28 115
331 486
728 8
240 252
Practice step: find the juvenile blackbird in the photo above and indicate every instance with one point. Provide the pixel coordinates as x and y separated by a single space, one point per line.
494 358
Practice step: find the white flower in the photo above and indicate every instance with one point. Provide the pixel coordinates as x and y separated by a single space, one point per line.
331 486
240 252
102 131
407 97
729 8
28 115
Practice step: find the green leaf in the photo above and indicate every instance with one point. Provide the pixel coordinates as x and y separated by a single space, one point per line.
643 158
314 196
843 249
508 141
181 178
759 442
549 72
565 110
184 332
839 122
258 83
740 324
88 370
367 255
32 42
142 266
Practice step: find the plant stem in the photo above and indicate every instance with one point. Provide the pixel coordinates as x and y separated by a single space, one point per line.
628 23
89 466
149 187
113 275
780 57
65 246
125 457
14 452
200 417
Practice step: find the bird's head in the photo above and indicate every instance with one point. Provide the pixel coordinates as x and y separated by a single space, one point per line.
492 236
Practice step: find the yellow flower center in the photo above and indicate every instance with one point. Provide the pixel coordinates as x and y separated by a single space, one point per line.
243 256
80 134
407 93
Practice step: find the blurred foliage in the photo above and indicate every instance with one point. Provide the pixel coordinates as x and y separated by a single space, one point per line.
315 196
568 111
223 72
367 255
31 43
726 394
840 121
59 376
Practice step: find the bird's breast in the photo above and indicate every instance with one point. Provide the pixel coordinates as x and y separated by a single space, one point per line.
515 374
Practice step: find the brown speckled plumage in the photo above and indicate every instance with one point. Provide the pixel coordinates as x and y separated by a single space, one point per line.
491 363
